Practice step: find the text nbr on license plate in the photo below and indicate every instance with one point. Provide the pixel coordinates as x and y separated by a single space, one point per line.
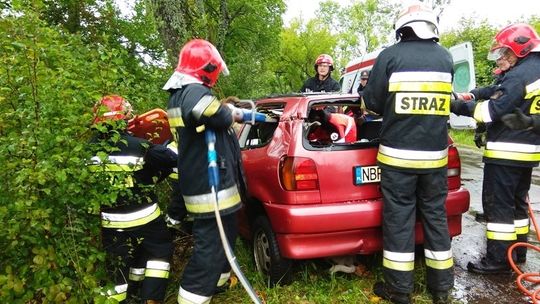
366 175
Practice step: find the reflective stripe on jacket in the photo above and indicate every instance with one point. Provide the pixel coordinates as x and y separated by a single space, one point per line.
518 87
134 165
410 85
194 109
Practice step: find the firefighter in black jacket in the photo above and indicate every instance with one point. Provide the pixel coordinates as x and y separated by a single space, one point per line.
191 110
323 81
484 93
509 155
132 225
410 85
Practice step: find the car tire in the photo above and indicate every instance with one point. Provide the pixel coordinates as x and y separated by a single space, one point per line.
268 259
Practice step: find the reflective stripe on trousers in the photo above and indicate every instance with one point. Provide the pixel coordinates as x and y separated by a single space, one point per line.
404 194
157 269
186 297
119 293
504 193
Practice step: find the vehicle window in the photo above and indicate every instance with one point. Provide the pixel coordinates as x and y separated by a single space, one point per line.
260 133
340 125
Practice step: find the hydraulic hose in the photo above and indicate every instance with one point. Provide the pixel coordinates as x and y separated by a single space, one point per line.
213 179
532 277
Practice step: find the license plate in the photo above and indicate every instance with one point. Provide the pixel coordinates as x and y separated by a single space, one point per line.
366 175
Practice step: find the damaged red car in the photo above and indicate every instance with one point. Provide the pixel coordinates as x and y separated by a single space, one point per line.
313 197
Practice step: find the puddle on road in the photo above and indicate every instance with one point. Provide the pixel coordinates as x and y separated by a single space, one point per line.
485 289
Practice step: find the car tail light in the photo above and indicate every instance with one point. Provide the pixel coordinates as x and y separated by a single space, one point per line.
298 173
454 168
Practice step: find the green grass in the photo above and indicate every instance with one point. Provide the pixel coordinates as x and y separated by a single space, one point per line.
311 284
463 137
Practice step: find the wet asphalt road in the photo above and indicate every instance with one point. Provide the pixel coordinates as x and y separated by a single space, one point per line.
470 245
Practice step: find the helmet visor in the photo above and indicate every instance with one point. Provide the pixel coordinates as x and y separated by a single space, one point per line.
496 54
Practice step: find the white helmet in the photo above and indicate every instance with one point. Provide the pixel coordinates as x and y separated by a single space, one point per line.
421 19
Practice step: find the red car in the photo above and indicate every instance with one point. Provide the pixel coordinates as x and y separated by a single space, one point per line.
311 198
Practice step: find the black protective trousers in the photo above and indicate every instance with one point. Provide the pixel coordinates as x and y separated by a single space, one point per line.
406 195
504 199
126 247
208 260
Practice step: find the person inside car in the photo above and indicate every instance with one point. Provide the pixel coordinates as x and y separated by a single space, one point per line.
330 127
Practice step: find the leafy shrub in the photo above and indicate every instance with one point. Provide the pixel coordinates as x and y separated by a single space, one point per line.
49 201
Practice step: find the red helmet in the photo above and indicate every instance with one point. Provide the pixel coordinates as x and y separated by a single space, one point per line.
200 59
324 58
520 38
112 107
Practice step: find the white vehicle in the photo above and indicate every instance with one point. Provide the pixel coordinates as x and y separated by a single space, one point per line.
350 80
464 77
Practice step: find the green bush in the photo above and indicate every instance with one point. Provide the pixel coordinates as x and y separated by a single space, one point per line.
49 201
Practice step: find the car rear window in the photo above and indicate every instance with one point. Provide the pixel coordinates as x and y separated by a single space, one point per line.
340 125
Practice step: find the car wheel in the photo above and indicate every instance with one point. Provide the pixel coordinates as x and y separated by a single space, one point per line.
268 260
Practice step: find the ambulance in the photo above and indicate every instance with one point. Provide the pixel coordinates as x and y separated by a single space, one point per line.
464 77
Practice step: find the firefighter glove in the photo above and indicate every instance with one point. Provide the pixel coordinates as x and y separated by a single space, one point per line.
480 139
480 135
462 107
517 120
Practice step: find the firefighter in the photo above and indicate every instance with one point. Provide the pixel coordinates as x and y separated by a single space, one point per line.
323 81
192 109
509 155
410 85
333 127
132 227
364 76
484 93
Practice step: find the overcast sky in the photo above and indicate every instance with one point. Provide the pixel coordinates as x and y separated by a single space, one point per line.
498 12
